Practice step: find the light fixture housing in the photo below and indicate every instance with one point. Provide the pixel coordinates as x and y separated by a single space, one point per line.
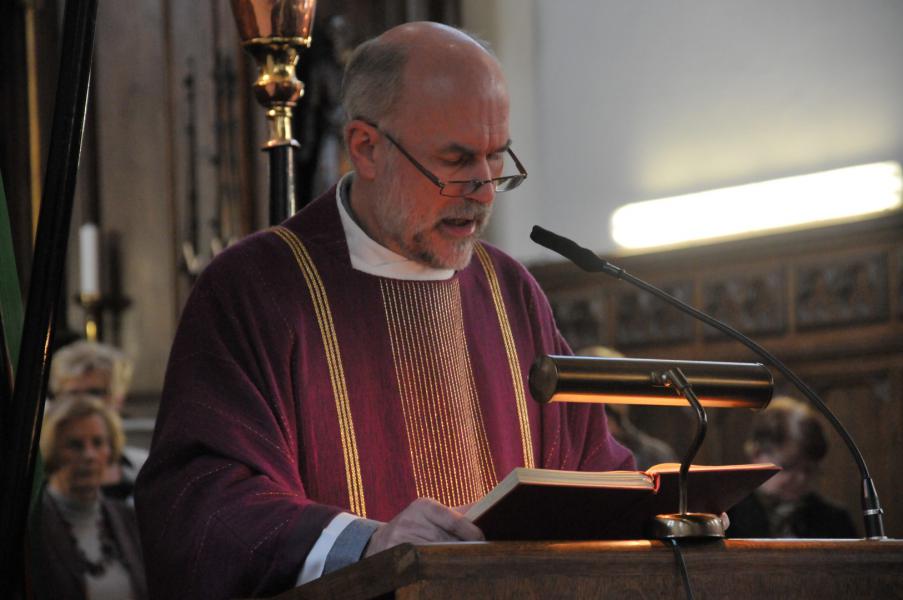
639 381
768 206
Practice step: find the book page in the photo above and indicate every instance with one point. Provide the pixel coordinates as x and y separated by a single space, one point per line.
675 467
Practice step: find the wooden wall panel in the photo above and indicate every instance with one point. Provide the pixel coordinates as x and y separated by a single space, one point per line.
141 167
133 137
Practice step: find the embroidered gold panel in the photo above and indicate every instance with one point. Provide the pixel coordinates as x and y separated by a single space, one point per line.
444 425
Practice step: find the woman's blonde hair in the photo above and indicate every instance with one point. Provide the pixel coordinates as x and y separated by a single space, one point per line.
69 409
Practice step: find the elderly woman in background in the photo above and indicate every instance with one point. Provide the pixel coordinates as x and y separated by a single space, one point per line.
91 368
87 546
105 372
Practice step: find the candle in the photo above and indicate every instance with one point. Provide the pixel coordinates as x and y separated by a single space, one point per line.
89 266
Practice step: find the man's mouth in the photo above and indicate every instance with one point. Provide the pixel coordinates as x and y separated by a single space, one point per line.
459 227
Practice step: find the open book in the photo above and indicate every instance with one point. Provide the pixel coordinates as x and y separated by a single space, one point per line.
544 504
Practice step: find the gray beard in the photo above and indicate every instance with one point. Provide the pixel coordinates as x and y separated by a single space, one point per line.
395 220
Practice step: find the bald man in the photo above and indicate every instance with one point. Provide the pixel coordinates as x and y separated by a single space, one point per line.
348 380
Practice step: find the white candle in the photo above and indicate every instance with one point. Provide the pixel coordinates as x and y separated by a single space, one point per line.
89 265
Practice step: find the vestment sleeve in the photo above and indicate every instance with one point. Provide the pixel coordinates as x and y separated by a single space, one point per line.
342 543
221 502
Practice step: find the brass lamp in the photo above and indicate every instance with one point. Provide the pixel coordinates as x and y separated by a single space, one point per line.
273 32
638 381
659 383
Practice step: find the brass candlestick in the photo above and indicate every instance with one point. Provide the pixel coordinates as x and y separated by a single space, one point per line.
273 31
92 304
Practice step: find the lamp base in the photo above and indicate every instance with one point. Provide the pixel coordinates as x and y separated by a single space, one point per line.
687 525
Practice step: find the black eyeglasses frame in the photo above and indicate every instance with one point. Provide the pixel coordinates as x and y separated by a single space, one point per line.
501 184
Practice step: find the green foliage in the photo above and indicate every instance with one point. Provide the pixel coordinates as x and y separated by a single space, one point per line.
11 319
11 314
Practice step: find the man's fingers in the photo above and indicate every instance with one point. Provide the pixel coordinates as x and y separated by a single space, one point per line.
465 530
451 521
424 520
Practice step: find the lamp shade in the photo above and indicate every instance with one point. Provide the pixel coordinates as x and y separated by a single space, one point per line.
641 381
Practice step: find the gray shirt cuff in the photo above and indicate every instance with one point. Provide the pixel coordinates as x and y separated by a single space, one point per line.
350 544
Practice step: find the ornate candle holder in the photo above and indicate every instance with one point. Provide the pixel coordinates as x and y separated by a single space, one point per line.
95 303
92 304
95 307
273 31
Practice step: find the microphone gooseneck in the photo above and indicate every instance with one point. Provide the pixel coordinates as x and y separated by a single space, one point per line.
873 514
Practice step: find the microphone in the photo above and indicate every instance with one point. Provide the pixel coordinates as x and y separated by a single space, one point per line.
582 257
873 514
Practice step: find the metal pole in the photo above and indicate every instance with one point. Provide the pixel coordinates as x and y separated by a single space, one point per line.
20 424
283 202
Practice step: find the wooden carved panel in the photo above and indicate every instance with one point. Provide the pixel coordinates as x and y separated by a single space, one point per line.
842 292
642 319
580 318
753 303
900 282
866 404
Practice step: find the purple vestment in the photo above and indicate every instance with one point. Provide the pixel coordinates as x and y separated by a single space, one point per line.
298 387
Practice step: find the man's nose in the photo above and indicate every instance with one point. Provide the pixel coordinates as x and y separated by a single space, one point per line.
484 194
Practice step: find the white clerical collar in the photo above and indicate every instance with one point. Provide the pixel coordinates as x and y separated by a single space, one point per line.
370 256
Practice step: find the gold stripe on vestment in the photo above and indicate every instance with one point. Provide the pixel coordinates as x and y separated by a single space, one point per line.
511 350
336 371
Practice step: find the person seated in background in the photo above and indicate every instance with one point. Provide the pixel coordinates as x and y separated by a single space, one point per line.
647 450
789 435
86 546
102 371
92 368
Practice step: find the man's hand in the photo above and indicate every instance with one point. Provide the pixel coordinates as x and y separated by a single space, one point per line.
424 520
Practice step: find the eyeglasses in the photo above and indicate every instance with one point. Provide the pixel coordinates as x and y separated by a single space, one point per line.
462 187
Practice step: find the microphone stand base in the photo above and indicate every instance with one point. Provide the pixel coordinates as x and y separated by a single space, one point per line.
687 525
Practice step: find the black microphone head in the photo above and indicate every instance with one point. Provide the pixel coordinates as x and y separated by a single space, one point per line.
538 234
580 256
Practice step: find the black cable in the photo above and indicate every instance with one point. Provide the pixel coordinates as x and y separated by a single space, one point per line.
682 567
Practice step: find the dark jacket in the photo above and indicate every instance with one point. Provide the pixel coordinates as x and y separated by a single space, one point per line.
55 569
813 518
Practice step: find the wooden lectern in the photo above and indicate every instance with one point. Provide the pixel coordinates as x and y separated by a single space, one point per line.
822 569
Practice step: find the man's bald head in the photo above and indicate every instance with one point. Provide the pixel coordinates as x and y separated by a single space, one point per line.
375 77
439 93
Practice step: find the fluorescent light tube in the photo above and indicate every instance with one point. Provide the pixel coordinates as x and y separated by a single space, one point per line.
742 210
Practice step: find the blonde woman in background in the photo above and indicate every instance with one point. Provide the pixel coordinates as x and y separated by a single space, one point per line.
104 372
87 545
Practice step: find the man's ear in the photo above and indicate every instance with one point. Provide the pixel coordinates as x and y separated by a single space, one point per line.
360 139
